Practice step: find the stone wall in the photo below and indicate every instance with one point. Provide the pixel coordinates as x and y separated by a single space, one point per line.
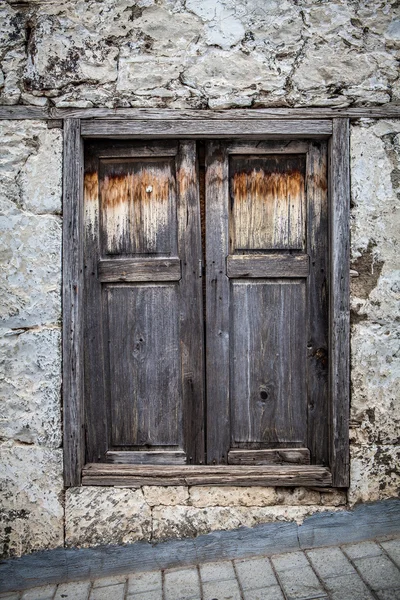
191 54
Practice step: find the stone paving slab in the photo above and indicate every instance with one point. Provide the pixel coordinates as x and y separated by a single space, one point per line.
361 571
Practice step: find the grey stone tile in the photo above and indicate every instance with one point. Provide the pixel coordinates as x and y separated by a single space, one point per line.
106 581
388 594
362 550
76 590
182 584
255 573
300 581
347 587
45 592
267 593
111 592
221 590
11 596
144 582
290 560
218 571
151 595
329 562
392 547
379 572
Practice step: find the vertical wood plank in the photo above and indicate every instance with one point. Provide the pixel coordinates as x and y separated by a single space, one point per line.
339 301
191 302
318 299
72 345
95 318
217 303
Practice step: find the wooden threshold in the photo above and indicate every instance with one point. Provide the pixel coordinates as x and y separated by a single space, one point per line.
138 475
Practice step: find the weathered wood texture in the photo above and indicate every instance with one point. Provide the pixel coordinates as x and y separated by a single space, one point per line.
205 128
166 457
217 303
364 522
268 374
135 475
142 269
191 307
267 202
138 206
273 265
386 111
339 376
299 456
144 351
317 302
72 345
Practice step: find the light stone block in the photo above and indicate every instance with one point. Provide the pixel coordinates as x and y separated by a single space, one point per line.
347 587
156 495
328 562
107 581
362 550
105 515
45 592
378 572
144 582
392 547
217 571
223 590
112 592
203 496
273 592
30 381
31 498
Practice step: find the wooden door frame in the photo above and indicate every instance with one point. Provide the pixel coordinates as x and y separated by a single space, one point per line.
336 130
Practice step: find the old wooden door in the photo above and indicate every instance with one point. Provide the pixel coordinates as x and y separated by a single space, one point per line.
143 304
267 302
266 315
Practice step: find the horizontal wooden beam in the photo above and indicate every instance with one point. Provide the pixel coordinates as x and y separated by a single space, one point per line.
136 476
132 457
385 111
139 269
299 456
205 128
273 265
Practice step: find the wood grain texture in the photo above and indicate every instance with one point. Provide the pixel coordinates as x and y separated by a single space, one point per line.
144 349
138 206
142 269
205 128
72 293
267 201
317 301
191 302
339 376
269 475
386 111
300 456
96 361
364 522
272 265
217 303
263 147
166 457
268 374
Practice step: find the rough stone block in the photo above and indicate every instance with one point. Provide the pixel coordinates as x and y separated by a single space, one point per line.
378 572
392 547
362 550
374 473
202 496
144 582
31 498
347 587
112 592
156 495
217 571
297 577
328 562
273 592
30 375
96 515
45 592
223 590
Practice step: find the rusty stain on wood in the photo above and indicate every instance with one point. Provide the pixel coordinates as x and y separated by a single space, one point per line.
268 202
138 204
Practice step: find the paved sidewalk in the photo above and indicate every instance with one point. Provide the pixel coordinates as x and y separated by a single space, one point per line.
362 571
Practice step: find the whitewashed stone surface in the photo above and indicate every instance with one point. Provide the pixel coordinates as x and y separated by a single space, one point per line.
214 53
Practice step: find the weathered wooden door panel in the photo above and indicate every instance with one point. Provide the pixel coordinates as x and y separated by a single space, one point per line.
268 385
266 274
143 325
144 348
